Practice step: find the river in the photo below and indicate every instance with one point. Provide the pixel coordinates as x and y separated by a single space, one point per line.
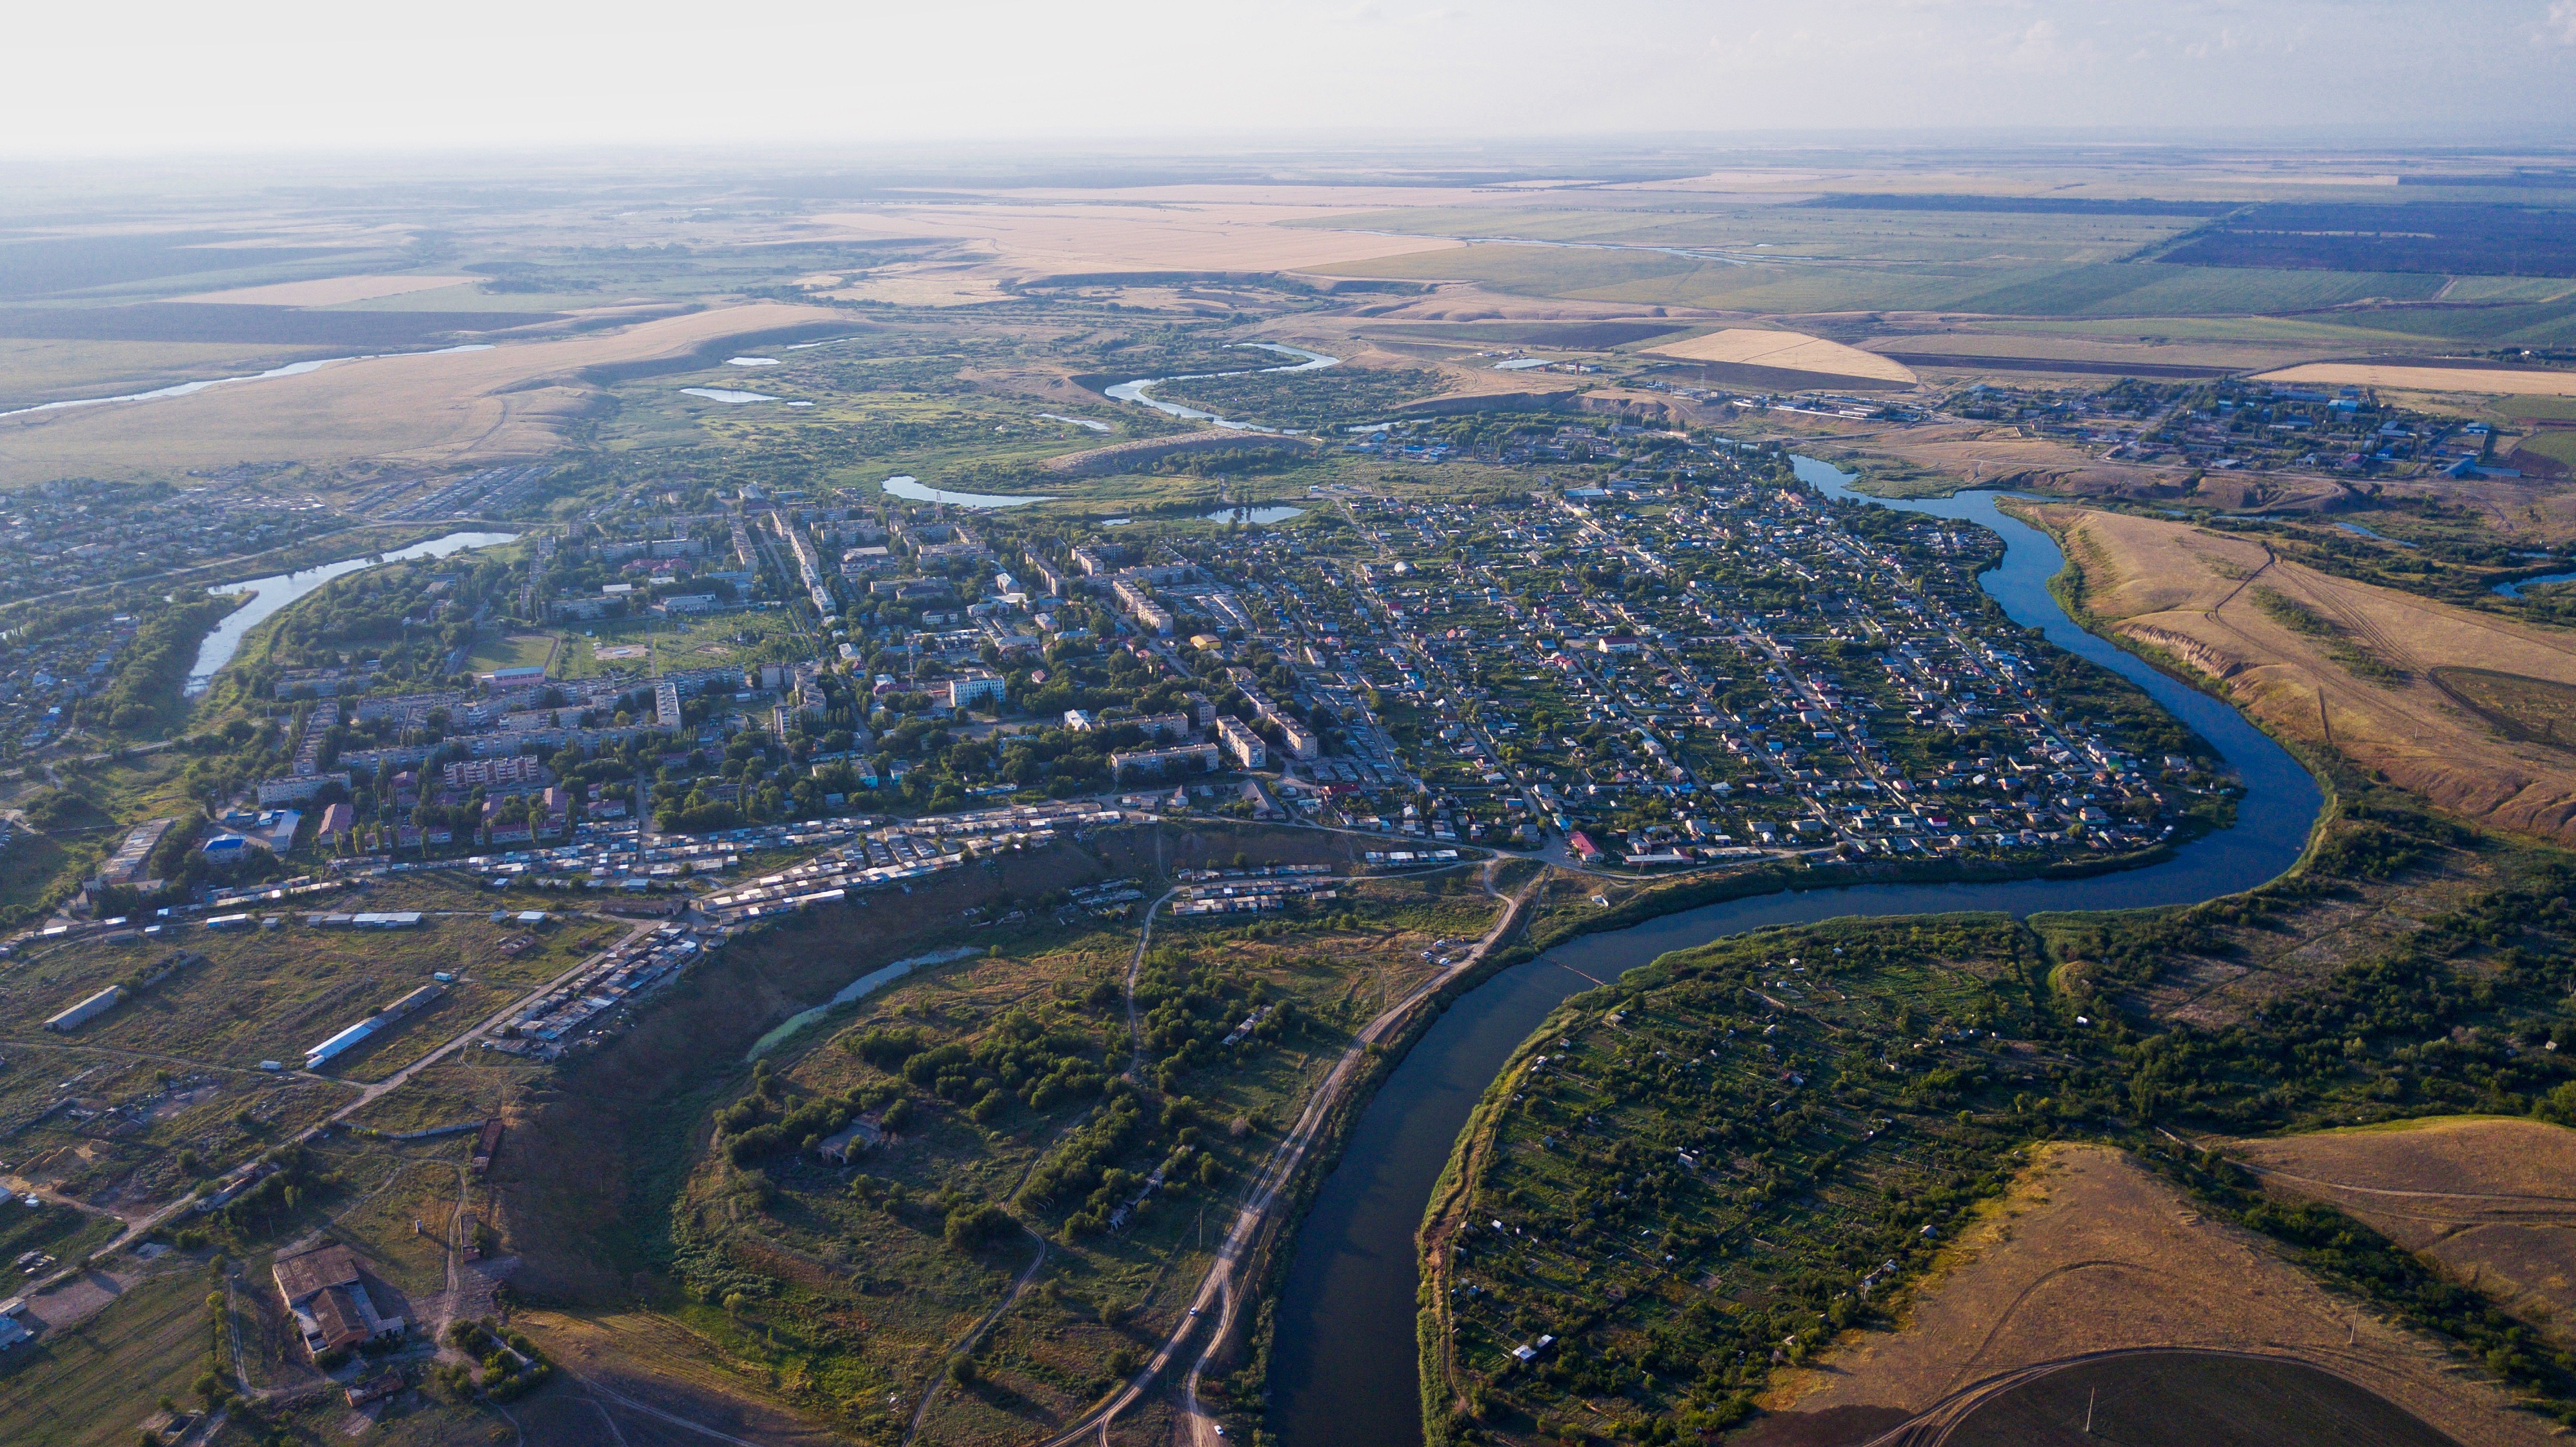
1135 391
185 389
273 593
1343 1363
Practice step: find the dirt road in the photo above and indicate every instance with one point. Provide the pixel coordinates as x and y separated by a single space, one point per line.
1218 1303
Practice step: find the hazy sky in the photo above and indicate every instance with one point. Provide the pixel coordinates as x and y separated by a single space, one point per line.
153 75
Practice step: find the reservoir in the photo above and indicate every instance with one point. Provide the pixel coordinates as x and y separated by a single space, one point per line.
273 593
1343 1362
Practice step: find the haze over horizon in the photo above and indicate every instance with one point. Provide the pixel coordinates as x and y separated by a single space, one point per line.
297 77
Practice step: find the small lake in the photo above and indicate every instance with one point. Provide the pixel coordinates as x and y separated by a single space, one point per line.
1275 514
751 361
1523 364
270 594
909 487
726 395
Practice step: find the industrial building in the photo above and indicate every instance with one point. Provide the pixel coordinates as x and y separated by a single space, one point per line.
87 1010
342 1042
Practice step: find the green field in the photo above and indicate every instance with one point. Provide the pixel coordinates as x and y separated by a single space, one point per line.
516 650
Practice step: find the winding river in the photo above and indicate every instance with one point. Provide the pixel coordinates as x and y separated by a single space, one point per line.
1343 1361
1135 391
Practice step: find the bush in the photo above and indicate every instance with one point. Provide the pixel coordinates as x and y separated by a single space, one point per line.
961 1370
970 1227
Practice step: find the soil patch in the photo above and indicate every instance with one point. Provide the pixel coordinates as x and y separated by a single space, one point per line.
2207 1398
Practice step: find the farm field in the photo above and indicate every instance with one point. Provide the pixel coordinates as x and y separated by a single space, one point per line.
1230 235
37 370
328 291
1541 578
2484 381
1789 350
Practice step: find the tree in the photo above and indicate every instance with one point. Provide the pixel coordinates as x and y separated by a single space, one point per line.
961 1370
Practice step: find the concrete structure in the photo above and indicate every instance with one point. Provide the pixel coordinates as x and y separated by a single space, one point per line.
1302 743
1187 758
350 1037
337 821
1140 605
327 1294
976 685
1239 739
666 704
87 1010
297 790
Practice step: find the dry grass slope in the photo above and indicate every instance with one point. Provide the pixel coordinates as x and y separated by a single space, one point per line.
2091 1253
2493 1201
2334 662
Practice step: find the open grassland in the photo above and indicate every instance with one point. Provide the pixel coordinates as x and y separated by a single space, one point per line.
35 370
2341 665
1794 351
426 409
2089 1252
328 291
1052 240
270 994
2490 381
2486 1199
93 1384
